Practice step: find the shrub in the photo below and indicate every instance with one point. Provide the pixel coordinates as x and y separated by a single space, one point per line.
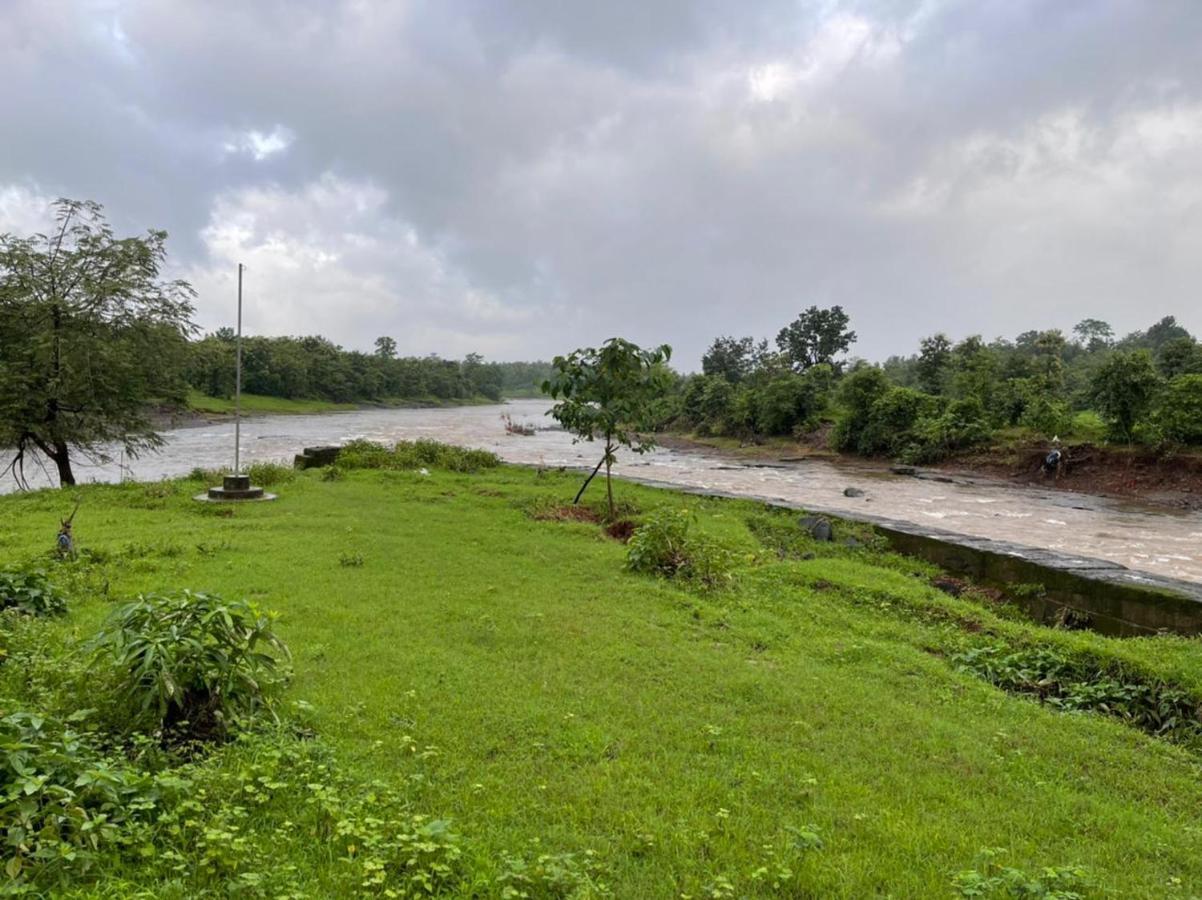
1179 411
667 545
792 403
891 419
857 393
192 665
415 455
717 401
1080 684
960 426
61 800
30 593
1046 415
266 474
1123 389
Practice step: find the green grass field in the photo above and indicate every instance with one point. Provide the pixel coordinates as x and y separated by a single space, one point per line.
800 733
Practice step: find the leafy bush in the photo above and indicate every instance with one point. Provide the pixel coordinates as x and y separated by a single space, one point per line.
1071 683
891 420
266 474
792 403
72 815
1179 410
717 399
62 801
192 665
1046 415
960 426
415 455
857 393
30 593
1123 390
667 545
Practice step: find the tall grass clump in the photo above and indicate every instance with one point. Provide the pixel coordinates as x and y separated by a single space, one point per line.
415 455
668 545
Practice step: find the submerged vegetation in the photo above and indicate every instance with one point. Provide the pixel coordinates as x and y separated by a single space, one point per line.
469 687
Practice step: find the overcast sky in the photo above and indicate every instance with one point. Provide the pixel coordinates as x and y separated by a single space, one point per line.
520 178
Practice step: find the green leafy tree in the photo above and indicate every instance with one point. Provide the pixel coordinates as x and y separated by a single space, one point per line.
857 393
733 358
1180 356
485 378
934 358
816 336
608 394
1123 389
1049 358
1164 331
1094 334
1179 410
975 369
90 334
385 347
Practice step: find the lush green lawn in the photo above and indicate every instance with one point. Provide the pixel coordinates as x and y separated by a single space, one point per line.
508 673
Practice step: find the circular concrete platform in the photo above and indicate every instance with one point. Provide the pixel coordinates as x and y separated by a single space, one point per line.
234 489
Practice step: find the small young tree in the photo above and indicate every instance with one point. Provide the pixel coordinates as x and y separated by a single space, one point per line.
607 393
89 336
1123 390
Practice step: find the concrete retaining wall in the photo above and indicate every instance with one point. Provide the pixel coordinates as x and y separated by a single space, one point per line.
1106 596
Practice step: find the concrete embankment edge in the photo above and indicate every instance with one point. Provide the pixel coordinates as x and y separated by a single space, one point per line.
1109 597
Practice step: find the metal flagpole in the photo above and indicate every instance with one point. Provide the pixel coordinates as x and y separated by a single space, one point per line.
238 385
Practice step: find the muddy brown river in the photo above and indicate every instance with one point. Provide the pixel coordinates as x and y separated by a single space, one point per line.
1152 540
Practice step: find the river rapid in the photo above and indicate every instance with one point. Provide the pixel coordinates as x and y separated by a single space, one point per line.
1152 540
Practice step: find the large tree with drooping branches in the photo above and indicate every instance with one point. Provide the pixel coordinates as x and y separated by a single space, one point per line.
91 334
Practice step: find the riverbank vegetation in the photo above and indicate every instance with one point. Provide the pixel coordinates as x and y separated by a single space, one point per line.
949 397
315 369
463 686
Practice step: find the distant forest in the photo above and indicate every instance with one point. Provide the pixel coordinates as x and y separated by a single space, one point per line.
1144 388
316 368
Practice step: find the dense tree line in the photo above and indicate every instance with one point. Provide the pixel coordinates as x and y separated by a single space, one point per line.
316 368
1143 388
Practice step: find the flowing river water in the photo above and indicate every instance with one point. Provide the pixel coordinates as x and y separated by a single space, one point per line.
1154 540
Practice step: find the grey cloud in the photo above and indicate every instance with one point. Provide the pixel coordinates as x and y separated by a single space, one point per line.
547 174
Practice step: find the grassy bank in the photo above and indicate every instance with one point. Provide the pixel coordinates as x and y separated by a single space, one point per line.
804 730
256 404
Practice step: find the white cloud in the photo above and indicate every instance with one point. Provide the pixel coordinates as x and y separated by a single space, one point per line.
841 41
260 144
24 210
